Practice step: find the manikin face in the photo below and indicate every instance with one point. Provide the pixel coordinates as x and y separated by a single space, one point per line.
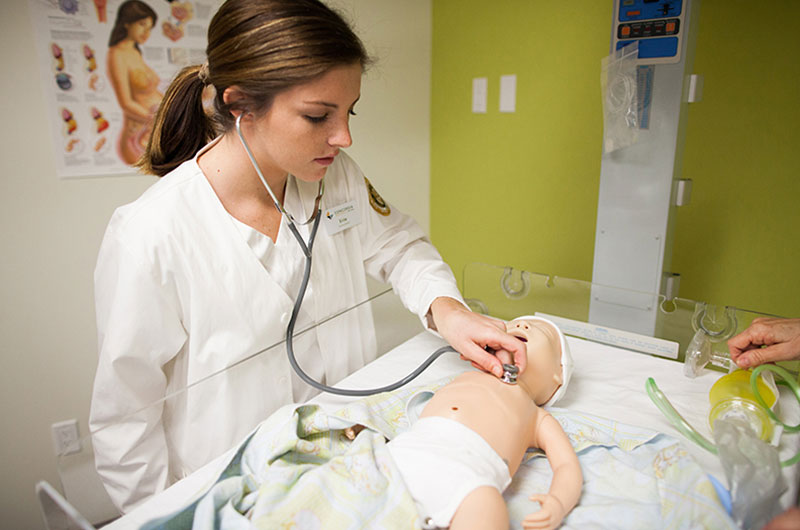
139 31
305 127
543 375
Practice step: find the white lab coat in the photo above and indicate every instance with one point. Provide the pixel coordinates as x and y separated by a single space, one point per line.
180 295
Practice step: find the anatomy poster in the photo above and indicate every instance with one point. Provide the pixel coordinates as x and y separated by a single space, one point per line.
105 65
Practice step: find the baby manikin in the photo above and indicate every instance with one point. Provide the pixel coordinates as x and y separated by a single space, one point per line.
457 459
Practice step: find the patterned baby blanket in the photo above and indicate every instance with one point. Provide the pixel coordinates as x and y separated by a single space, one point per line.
299 470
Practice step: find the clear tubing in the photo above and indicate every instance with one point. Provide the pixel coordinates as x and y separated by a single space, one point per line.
666 408
791 383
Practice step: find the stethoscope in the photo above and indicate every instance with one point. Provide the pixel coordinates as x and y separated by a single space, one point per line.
306 247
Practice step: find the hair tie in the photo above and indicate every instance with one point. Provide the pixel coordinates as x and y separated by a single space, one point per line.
203 73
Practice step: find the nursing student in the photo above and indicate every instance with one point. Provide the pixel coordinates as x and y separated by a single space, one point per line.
202 271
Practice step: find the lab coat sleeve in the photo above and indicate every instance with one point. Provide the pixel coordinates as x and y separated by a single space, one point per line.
397 251
139 331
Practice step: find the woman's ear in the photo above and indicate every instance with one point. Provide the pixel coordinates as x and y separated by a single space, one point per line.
231 96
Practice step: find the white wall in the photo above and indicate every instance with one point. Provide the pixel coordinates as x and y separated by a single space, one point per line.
391 133
50 229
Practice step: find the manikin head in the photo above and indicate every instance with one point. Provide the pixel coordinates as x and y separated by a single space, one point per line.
549 361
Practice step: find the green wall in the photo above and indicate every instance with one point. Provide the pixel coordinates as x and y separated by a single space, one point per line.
521 189
739 241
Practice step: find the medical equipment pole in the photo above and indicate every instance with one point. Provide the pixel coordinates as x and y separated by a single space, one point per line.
639 183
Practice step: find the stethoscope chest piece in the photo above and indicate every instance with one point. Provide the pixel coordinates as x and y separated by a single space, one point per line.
510 372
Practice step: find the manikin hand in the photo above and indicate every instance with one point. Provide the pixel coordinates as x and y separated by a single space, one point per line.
766 340
471 334
549 515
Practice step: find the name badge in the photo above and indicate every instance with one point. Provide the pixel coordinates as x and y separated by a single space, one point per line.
341 217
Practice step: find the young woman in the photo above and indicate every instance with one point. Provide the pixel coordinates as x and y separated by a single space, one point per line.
202 271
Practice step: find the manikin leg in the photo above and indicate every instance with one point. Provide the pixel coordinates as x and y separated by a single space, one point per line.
484 508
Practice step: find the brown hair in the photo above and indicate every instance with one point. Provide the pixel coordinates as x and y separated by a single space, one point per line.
263 47
129 12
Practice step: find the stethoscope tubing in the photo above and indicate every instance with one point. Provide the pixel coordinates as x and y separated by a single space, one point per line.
275 201
307 248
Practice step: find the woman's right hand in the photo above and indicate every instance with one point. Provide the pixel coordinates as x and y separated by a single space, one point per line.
474 336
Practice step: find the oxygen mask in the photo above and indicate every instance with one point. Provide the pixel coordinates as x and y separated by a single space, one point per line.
710 327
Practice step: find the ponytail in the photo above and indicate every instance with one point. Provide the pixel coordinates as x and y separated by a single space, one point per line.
181 126
262 47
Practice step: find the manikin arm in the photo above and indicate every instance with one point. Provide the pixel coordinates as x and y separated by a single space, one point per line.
565 489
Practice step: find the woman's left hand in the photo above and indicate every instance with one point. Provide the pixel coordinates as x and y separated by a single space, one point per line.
472 334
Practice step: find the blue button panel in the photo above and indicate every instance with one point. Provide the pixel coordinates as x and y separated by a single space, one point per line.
653 48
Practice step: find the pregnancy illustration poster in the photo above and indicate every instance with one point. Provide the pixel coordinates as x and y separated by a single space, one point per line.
105 65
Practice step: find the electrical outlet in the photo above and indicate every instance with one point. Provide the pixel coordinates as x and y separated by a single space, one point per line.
66 439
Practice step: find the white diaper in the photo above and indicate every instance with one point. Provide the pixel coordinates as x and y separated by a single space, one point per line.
441 462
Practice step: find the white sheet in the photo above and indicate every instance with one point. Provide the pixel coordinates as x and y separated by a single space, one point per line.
607 381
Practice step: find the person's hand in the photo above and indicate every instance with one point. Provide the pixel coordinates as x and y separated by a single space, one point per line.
766 340
788 520
549 515
472 334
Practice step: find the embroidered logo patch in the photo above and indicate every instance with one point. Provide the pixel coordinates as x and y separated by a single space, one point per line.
376 201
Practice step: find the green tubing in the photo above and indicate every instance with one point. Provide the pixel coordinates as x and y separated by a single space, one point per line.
789 381
666 408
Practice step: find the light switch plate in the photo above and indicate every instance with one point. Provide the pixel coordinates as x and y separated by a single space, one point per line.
480 90
508 93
